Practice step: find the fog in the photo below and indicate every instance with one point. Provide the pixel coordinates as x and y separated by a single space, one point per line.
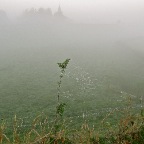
104 38
95 11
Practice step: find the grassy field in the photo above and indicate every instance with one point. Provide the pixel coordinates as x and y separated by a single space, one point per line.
106 66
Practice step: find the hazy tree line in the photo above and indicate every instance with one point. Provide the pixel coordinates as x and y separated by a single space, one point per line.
33 14
40 11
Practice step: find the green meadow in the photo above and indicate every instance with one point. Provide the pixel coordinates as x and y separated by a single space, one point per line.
106 67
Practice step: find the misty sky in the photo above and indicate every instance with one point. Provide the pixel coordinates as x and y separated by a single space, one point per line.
83 10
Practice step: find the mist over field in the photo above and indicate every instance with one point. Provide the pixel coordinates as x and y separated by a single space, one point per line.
105 42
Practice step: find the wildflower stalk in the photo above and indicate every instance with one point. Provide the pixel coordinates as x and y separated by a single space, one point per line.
60 106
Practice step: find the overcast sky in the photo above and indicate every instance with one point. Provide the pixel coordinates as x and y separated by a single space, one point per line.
82 10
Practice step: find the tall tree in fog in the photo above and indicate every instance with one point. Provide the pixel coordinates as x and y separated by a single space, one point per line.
3 17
